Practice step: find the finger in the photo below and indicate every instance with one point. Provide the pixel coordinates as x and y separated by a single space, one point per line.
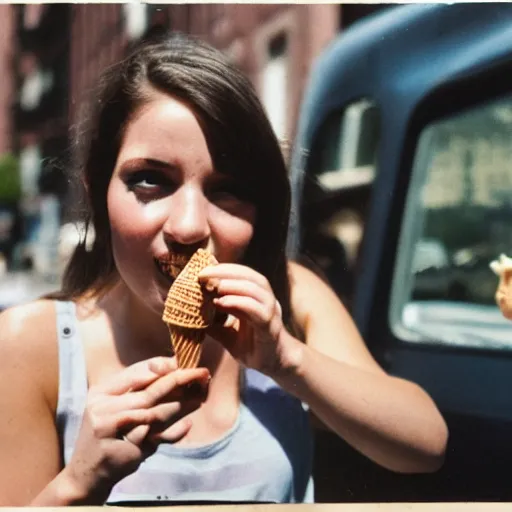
138 438
179 385
243 287
138 375
233 271
109 404
137 435
247 307
126 422
174 433
167 385
160 426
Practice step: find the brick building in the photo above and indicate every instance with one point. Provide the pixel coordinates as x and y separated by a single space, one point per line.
6 84
41 69
39 127
273 43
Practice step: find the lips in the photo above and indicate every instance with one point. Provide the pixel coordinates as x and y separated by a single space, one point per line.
171 265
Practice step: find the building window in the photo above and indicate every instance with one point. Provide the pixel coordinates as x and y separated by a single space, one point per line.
275 85
34 86
32 15
136 19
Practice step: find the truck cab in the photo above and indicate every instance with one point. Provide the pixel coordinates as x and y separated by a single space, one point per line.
402 196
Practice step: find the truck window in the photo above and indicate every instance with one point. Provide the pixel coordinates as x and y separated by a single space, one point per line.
340 172
457 220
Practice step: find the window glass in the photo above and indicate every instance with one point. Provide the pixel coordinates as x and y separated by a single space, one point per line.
458 218
34 86
340 172
346 157
32 14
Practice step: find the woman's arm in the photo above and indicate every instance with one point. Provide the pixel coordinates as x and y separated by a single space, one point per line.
391 420
28 381
30 466
124 419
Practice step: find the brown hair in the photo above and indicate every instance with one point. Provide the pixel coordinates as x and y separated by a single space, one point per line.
239 137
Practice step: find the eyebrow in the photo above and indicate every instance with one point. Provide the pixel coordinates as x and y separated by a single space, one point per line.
136 163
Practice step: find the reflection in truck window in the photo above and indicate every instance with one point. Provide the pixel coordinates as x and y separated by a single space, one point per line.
457 220
340 172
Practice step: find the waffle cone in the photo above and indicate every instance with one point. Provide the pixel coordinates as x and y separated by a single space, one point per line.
188 304
187 345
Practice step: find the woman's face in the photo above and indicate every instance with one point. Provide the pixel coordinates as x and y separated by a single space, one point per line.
165 199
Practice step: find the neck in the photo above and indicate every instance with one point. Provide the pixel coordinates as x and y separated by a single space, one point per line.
139 333
223 367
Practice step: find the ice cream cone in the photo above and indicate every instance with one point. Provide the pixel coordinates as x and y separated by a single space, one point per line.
188 304
189 310
187 345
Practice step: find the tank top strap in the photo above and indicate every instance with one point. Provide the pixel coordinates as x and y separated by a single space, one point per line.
72 377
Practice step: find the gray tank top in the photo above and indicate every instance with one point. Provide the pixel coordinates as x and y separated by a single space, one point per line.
265 457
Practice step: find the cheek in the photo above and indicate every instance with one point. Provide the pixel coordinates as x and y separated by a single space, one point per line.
131 226
232 233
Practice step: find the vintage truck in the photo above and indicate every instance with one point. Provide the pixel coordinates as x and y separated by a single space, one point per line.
402 195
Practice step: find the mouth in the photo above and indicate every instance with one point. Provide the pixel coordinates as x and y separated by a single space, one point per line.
171 265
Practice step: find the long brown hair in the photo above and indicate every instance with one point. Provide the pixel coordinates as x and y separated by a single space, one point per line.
239 137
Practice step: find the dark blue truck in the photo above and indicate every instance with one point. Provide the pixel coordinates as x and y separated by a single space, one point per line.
402 182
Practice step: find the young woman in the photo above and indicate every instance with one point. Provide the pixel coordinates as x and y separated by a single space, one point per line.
177 154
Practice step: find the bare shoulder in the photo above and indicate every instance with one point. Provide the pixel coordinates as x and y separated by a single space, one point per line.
302 274
28 343
310 293
34 318
328 326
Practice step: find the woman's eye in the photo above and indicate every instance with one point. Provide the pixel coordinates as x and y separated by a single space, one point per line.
143 179
148 184
228 192
145 183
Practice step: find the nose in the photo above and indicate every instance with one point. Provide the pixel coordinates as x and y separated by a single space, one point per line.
187 221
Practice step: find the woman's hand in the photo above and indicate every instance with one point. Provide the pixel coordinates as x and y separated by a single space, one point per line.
125 419
253 332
